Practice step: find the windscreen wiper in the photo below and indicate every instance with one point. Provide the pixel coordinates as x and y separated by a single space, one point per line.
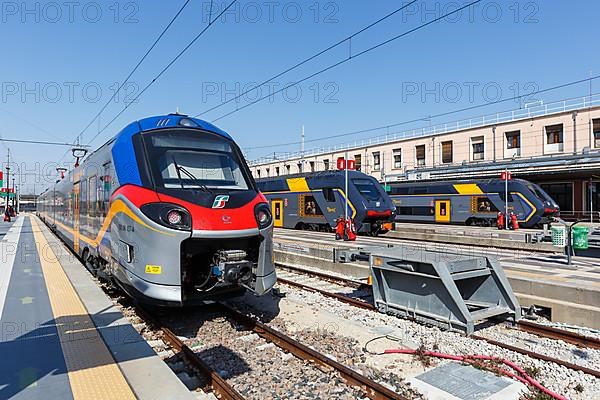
196 180
177 170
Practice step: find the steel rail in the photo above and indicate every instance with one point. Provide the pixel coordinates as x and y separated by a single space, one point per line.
559 334
337 296
523 325
540 331
219 385
372 389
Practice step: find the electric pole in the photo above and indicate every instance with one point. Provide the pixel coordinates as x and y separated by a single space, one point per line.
7 177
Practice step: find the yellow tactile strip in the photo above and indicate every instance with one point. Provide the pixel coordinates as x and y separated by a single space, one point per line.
93 373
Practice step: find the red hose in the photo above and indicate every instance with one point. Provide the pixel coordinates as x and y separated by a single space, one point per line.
523 378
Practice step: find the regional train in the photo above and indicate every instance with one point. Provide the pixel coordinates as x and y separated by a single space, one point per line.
472 202
315 201
169 211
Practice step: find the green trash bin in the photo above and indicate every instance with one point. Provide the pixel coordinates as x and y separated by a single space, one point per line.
580 237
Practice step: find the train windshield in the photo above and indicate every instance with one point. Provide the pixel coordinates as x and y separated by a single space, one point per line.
542 195
367 189
195 160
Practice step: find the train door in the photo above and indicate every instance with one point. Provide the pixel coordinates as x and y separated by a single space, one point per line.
277 211
76 217
442 211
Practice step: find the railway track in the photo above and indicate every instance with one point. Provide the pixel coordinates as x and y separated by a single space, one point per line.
527 326
218 385
224 390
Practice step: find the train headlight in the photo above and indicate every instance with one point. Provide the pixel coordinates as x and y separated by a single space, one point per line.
174 217
263 215
169 215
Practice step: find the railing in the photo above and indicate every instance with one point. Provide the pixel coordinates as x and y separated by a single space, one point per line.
537 109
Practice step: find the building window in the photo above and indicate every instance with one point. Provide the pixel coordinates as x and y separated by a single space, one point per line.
478 148
358 161
376 161
288 169
312 166
554 134
258 172
268 170
447 156
326 164
596 129
397 158
513 140
420 155
277 171
300 167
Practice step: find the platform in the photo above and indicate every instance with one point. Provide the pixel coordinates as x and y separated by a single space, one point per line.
62 337
571 292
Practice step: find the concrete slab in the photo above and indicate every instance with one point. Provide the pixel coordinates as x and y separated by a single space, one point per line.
454 381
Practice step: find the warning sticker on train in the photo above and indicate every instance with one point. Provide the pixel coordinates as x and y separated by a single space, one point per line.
153 269
220 201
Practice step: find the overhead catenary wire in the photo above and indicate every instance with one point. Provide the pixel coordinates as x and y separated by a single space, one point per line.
429 117
306 60
350 57
44 142
165 68
135 68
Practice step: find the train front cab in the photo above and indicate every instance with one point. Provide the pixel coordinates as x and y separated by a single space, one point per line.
192 227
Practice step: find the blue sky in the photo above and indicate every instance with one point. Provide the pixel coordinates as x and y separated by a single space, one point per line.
62 63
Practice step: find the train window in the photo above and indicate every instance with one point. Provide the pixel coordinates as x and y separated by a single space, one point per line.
309 206
419 190
485 205
400 190
424 211
367 189
329 195
181 159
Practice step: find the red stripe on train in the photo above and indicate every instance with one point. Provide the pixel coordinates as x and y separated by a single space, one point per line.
203 218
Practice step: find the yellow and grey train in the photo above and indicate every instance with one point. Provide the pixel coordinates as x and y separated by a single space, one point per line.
315 201
472 202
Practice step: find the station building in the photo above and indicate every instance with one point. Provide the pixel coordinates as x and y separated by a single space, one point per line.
556 145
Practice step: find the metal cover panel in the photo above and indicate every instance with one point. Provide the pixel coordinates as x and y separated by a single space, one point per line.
463 381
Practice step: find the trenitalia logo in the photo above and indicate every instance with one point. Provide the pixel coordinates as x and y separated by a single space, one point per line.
220 201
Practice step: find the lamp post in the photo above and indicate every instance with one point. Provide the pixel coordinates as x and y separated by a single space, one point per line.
13 193
7 182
